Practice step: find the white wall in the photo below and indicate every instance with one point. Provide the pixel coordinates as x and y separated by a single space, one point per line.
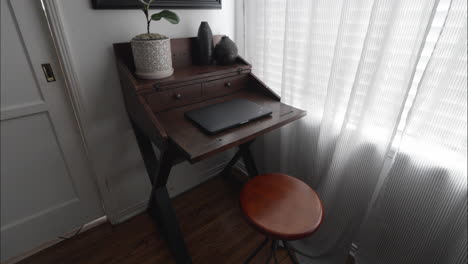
113 151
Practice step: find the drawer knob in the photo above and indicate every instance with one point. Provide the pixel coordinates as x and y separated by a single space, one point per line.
178 96
227 85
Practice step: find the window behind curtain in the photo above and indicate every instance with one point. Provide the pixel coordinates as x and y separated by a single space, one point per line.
268 55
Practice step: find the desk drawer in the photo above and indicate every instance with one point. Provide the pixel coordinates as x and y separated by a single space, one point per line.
225 85
169 98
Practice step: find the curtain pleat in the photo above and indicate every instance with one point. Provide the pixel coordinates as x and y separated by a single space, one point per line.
350 64
420 215
359 69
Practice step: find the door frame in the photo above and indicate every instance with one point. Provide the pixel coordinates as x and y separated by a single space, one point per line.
70 76
56 96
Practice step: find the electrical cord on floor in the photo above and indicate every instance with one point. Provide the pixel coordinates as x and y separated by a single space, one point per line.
76 233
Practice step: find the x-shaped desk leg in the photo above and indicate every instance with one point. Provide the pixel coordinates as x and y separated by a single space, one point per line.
246 155
160 207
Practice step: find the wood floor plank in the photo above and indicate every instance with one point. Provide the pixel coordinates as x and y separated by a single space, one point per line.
210 219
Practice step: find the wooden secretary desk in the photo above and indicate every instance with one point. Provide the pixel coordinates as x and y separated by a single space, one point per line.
156 109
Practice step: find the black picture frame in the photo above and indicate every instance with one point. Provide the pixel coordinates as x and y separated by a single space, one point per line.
160 4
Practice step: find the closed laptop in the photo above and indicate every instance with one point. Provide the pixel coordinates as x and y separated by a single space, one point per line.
221 116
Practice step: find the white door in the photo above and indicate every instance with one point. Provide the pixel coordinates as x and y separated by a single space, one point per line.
47 188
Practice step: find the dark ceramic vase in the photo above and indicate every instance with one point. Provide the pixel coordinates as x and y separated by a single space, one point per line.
205 44
226 51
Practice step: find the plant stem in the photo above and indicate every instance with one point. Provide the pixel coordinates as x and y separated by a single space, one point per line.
148 18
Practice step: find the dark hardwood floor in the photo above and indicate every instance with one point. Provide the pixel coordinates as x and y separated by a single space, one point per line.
210 219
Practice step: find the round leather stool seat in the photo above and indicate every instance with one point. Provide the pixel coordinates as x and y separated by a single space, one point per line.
281 207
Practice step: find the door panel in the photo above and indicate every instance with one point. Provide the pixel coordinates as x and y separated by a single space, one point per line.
34 159
14 60
47 187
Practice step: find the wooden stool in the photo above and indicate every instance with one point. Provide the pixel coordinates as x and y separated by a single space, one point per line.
282 208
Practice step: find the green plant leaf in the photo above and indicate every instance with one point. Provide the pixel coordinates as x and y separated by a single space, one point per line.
168 15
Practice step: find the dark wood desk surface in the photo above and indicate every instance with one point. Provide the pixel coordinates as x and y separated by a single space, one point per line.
197 145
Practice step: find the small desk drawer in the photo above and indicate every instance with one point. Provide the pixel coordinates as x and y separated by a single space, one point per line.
179 96
225 86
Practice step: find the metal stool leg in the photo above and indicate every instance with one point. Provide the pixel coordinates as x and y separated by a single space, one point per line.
271 252
274 250
290 253
256 251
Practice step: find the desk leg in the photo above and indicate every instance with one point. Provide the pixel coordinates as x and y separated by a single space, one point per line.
162 211
244 152
227 169
160 207
147 152
248 159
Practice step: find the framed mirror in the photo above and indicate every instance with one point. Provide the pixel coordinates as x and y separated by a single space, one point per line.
160 4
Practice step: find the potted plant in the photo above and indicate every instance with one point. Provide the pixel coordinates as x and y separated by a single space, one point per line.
152 51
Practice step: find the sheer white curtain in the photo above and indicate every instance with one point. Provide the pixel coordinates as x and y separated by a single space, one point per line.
351 65
421 212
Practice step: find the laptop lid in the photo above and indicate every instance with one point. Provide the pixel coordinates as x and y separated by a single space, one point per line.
218 117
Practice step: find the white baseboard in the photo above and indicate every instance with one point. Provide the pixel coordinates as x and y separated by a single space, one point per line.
140 207
56 241
129 212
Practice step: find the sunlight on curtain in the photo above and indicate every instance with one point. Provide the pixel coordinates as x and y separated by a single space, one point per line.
351 65
420 215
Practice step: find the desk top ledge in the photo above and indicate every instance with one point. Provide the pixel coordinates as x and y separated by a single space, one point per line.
183 60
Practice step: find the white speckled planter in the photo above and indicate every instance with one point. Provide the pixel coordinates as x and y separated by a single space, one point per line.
152 58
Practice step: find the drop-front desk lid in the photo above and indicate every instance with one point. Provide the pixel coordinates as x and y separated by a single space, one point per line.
196 145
